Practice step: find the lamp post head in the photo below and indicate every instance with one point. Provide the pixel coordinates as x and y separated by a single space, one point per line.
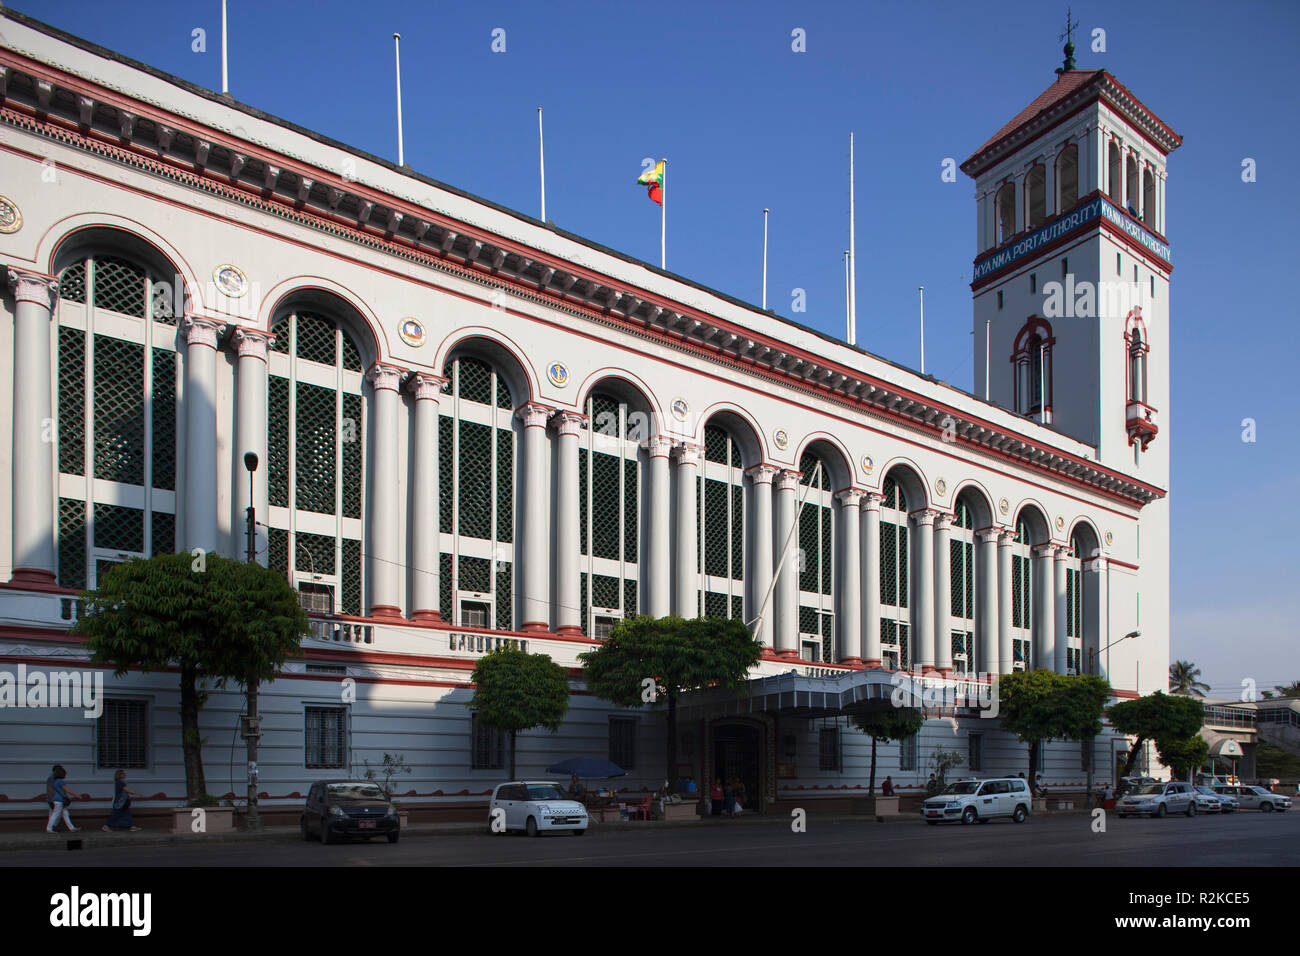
1131 634
250 461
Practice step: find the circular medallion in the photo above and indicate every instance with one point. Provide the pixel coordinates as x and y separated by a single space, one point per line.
558 373
941 487
1060 523
781 439
411 332
680 409
230 281
11 220
867 464
1109 538
1004 506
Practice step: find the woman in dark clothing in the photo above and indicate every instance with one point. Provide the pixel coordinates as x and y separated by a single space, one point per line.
120 816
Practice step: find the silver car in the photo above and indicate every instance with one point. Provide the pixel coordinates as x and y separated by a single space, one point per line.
1159 800
1255 798
1207 801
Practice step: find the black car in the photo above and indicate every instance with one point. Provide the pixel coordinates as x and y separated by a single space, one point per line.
341 808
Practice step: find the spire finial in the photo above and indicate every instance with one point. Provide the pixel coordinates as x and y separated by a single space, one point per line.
1068 36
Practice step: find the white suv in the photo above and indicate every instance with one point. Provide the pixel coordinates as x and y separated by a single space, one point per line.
982 800
536 807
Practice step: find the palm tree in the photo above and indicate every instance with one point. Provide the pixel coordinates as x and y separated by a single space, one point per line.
1290 690
1184 678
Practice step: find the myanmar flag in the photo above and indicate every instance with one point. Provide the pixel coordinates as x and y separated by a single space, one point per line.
654 178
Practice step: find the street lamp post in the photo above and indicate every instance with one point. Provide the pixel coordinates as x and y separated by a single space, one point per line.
252 729
1093 655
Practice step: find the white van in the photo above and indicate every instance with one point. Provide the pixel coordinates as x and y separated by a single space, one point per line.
982 800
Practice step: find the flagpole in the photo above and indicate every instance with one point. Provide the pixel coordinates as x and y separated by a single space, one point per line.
921 290
853 258
663 218
765 260
848 295
397 59
225 73
541 160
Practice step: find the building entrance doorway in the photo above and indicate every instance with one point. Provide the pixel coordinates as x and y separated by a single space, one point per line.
738 754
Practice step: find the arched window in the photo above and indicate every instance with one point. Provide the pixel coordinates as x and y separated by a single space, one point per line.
961 552
476 478
609 514
1035 197
1148 198
720 518
1131 185
1074 607
116 439
315 451
1067 178
1114 174
1021 609
894 615
816 562
1032 366
1005 205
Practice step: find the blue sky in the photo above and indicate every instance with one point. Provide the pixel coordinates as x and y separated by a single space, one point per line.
747 123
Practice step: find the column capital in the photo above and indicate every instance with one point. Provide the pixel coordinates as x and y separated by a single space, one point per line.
385 377
871 500
849 497
569 424
425 386
762 473
200 331
788 480
989 535
534 415
943 521
33 287
688 453
659 446
1006 538
1060 552
1042 550
251 343
926 516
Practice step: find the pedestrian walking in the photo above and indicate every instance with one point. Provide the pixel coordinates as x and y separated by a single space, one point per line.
119 818
716 796
56 795
740 796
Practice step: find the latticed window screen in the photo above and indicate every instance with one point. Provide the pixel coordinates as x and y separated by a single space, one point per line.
446 471
609 477
716 605
505 483
326 737
488 746
505 596
895 646
277 548
629 597
314 553
277 444
72 282
72 543
963 652
118 529
1021 655
164 419
445 578
122 735
119 410
315 430
163 532
315 339
720 520
350 593
72 401
352 452
120 286
604 591
475 574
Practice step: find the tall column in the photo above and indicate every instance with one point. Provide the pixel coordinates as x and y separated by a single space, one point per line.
1059 555
987 637
568 591
33 490
923 592
426 548
848 618
250 435
1006 656
658 591
943 594
1043 600
870 571
200 432
536 612
787 581
385 543
686 566
761 550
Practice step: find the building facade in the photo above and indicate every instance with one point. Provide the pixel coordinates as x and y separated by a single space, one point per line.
473 429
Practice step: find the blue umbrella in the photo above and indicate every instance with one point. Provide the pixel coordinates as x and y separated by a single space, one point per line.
587 767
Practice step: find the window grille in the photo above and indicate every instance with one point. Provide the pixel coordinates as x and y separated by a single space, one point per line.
475 491
505 483
164 419
278 440
117 528
716 605
445 578
314 554
163 533
828 749
72 282
629 597
119 286
315 339
277 550
353 445
122 735
907 752
326 737
316 598
314 460
488 746
604 591
975 751
475 574
72 401
119 410
963 652
446 471
350 593
622 742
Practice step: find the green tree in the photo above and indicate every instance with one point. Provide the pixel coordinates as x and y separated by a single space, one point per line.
884 725
1043 705
1184 754
942 762
1157 717
515 691
1185 678
211 618
645 659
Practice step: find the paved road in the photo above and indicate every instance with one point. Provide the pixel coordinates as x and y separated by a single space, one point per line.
1245 838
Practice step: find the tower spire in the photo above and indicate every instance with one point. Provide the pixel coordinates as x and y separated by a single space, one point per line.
1068 36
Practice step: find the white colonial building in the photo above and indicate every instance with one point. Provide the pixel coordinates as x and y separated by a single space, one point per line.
473 428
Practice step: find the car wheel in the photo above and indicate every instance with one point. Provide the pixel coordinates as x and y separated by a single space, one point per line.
932 823
392 837
582 832
1160 810
1191 809
325 836
531 827
302 825
968 815
1021 814
1266 807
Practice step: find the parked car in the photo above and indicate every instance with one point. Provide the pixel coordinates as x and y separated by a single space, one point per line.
1158 800
535 807
982 800
344 808
1207 801
1255 798
1127 785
